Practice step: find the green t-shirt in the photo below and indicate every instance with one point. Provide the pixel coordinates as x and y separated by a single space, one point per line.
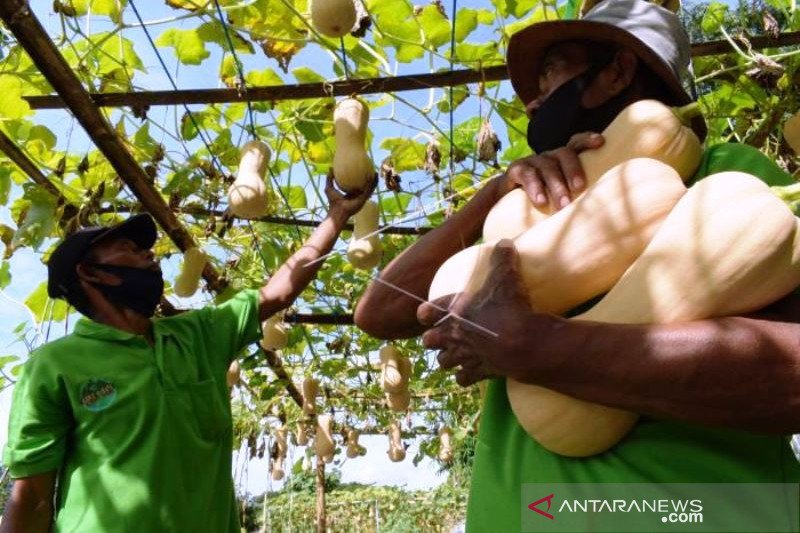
655 451
142 435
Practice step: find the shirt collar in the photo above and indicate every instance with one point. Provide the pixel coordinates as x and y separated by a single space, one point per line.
86 327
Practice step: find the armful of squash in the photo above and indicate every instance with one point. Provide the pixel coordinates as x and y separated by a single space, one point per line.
730 246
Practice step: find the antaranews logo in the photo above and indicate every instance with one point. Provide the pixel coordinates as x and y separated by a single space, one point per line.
535 506
660 507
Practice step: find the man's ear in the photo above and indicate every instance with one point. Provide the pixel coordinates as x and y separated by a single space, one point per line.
90 274
621 71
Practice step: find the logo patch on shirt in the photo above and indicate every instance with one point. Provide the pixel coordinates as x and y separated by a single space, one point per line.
97 395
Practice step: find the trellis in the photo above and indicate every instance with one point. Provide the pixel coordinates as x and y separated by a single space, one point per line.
85 107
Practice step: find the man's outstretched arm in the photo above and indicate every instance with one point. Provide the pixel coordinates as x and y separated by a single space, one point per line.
30 507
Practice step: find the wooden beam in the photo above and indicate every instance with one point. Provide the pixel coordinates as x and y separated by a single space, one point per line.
30 34
301 91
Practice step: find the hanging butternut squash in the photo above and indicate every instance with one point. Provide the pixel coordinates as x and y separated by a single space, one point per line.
324 445
396 452
310 391
354 449
353 170
249 196
192 268
274 334
365 250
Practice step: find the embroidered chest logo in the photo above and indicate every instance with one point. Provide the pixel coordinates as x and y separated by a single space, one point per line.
97 395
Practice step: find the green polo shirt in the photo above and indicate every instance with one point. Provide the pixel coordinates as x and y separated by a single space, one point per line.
141 435
655 451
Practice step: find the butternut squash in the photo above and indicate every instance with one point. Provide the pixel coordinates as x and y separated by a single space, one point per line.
352 168
399 402
249 196
333 18
445 445
395 370
396 452
234 374
310 391
364 251
354 449
274 334
278 472
192 268
791 132
323 440
301 434
729 246
582 250
646 128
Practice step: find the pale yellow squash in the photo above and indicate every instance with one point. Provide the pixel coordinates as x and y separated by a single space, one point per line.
582 250
646 128
333 18
194 260
396 452
352 168
365 250
249 196
730 246
791 132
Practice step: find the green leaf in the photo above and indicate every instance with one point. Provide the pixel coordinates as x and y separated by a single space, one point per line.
6 359
12 106
5 274
38 300
263 78
406 154
485 53
296 196
307 75
189 46
395 204
213 32
5 182
466 22
435 25
39 219
514 8
713 17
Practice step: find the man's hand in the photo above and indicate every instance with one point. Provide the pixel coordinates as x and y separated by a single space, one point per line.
555 176
346 205
501 306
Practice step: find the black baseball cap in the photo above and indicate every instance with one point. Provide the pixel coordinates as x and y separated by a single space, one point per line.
61 274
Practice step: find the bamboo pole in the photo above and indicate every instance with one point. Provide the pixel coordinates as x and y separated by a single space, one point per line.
321 514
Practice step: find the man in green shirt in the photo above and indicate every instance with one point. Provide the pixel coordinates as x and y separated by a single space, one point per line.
131 413
719 397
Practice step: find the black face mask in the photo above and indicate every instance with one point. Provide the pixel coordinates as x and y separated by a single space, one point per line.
562 115
140 290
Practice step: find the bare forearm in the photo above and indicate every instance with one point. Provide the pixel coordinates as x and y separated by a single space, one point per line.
736 372
385 312
298 271
30 506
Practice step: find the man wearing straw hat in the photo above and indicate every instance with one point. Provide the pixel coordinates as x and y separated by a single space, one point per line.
701 386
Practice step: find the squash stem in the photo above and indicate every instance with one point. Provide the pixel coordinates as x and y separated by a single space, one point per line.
789 194
686 113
